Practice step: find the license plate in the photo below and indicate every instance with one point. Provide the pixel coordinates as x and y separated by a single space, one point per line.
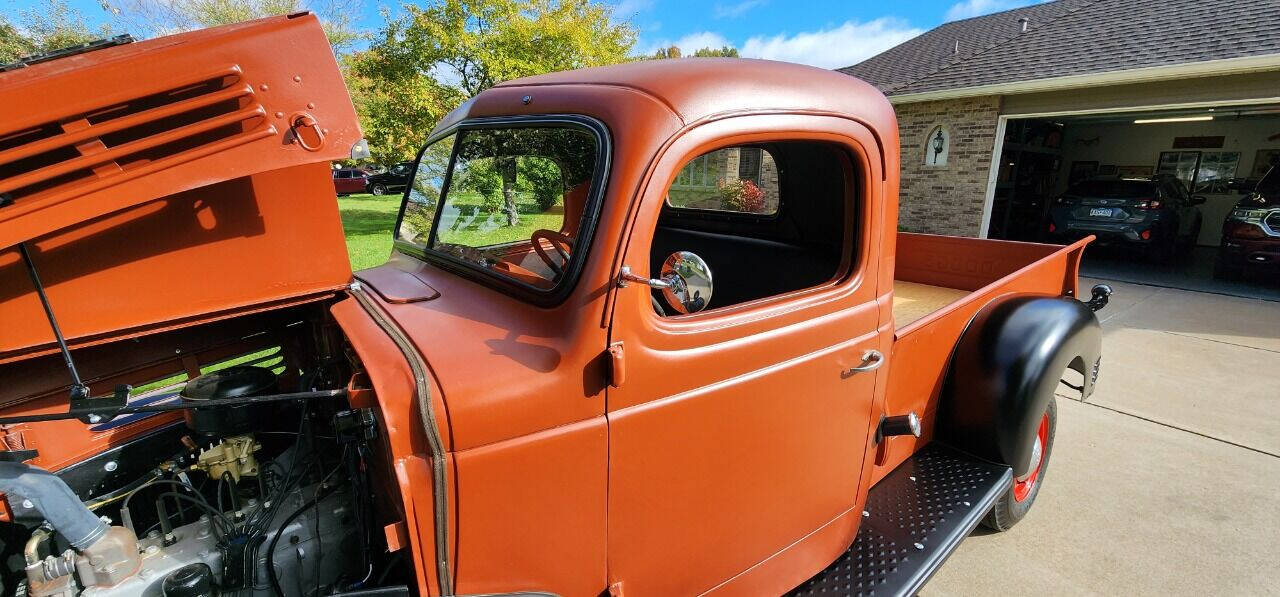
1100 211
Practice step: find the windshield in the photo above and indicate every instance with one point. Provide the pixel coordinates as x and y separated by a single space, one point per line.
1113 189
513 204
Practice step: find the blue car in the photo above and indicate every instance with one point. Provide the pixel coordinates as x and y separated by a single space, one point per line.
1153 215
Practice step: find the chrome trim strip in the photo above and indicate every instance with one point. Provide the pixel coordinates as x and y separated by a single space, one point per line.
439 475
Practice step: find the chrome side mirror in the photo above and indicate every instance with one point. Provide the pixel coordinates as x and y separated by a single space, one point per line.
688 278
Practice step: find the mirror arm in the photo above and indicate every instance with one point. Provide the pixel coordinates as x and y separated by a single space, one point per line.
625 276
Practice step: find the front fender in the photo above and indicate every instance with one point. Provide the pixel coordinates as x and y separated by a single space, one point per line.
1005 368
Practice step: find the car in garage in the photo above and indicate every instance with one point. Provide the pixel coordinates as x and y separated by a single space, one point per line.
349 180
1251 232
394 179
1154 215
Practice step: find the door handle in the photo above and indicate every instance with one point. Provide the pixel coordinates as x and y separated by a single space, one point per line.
871 360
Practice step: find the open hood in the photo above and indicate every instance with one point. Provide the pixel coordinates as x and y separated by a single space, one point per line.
170 179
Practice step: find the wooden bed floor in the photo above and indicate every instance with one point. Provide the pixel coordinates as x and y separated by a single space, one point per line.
911 301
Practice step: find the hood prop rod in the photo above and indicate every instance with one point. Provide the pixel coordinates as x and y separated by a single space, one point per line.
82 406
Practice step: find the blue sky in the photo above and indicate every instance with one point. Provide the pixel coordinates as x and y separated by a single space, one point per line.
826 33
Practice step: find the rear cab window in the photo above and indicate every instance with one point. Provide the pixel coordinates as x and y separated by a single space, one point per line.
512 204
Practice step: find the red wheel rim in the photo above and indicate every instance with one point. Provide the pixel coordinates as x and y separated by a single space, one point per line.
1022 488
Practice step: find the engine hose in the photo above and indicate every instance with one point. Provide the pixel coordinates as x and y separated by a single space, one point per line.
55 502
271 547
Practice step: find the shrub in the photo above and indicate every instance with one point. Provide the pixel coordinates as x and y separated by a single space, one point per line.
742 195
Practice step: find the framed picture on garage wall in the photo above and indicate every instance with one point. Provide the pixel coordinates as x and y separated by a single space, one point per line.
1217 168
1181 164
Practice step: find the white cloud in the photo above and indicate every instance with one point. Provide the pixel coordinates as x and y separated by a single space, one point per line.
844 45
976 8
691 42
736 9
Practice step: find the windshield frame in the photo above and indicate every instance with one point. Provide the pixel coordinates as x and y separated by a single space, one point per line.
546 297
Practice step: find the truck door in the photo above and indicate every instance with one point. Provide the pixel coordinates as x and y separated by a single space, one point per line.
738 429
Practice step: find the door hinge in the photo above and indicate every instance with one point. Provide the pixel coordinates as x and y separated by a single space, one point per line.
617 365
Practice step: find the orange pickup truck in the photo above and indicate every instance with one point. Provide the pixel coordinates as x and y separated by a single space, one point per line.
647 329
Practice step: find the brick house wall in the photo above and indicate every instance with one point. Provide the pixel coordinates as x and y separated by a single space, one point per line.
946 199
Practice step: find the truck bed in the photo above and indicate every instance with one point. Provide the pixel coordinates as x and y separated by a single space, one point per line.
940 282
913 300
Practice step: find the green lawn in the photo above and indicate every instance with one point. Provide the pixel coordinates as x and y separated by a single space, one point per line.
368 220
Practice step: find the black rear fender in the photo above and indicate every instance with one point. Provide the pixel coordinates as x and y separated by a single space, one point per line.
1005 368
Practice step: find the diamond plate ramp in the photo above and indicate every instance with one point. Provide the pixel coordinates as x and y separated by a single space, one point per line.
915 517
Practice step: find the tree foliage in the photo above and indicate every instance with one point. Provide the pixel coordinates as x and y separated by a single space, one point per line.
52 25
674 52
434 56
722 52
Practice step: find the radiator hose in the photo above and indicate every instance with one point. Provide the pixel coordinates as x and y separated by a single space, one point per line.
54 500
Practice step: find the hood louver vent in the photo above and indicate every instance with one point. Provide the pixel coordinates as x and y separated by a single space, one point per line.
88 151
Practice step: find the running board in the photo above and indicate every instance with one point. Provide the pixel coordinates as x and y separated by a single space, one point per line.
915 517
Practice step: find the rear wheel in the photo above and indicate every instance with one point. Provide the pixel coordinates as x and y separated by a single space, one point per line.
378 189
1017 501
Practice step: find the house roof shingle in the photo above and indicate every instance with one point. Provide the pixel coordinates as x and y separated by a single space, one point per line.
1074 37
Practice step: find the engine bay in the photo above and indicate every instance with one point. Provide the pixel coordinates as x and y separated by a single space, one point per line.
246 480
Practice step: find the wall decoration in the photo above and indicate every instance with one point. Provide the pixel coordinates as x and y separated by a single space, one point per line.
1217 168
1133 171
1181 164
1081 171
1211 142
937 146
1264 161
1107 170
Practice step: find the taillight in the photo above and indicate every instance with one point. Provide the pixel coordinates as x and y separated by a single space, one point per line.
1149 203
1052 228
1146 235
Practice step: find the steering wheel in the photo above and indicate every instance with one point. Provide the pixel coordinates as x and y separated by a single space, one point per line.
560 242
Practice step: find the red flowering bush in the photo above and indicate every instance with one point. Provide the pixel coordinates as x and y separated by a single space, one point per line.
742 195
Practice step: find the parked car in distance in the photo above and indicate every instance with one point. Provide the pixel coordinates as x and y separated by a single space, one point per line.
394 179
1251 232
1156 214
349 180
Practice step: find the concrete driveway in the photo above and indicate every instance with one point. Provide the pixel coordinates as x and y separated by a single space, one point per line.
1167 480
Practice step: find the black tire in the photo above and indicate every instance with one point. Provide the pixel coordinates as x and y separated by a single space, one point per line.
1008 510
378 189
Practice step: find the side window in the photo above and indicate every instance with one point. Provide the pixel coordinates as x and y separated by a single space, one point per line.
713 210
733 179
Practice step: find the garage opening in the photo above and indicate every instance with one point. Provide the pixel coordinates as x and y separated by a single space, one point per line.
1157 188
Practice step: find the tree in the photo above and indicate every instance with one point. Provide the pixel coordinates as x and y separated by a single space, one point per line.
434 56
674 52
52 25
669 52
152 18
723 52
